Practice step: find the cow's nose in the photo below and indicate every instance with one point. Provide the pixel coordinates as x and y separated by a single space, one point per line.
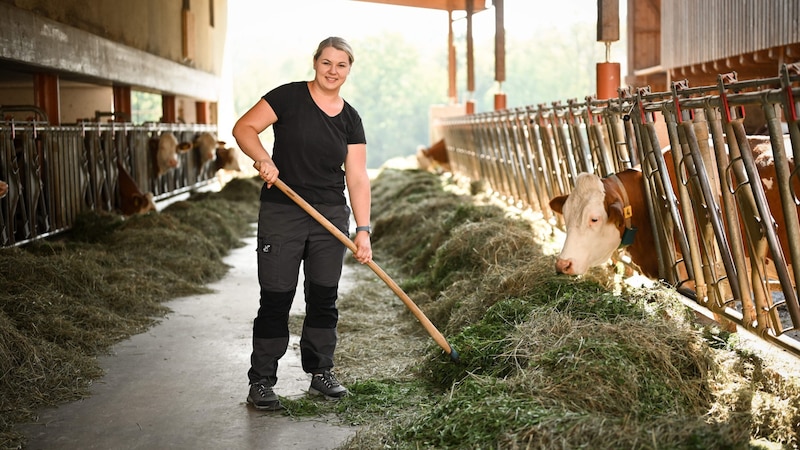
564 266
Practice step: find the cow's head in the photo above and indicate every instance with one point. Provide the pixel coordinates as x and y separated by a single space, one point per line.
593 215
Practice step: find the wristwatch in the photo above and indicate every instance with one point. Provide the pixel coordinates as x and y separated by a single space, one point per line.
364 228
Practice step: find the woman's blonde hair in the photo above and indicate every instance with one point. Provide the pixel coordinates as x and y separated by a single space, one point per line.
337 43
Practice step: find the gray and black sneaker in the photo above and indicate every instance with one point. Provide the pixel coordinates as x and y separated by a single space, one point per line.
326 384
263 398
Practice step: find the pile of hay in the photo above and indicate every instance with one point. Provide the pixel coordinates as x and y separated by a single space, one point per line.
546 361
66 300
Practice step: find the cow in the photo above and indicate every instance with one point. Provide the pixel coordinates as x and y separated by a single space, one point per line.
433 158
597 215
3 188
166 149
214 155
206 144
226 159
132 200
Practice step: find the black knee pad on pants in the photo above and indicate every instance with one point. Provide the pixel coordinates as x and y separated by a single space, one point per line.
272 320
321 309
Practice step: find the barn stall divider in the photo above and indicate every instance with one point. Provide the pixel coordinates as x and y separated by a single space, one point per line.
716 229
54 173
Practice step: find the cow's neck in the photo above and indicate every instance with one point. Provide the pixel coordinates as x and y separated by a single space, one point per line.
643 249
628 232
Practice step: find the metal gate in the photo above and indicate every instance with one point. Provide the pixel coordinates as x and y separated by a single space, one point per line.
717 224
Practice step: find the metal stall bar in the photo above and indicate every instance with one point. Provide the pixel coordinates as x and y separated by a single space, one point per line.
620 130
712 235
578 136
693 261
740 282
523 156
533 163
471 147
663 207
555 161
598 139
790 74
544 165
497 179
562 142
506 145
9 171
503 130
479 149
761 235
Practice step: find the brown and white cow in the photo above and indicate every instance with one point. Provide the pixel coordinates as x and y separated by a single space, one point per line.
206 145
3 188
167 148
433 158
226 159
132 200
595 219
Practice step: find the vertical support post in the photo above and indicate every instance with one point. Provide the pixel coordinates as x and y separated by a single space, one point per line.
46 95
499 54
470 102
168 109
608 73
201 111
451 60
123 111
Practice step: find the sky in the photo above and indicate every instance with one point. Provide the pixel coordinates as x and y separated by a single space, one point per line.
301 24
292 28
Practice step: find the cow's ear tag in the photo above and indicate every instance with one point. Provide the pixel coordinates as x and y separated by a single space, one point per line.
627 212
627 236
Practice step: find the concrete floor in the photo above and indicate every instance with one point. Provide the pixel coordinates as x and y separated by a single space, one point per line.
183 383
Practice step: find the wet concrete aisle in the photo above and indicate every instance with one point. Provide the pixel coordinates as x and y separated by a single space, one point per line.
183 383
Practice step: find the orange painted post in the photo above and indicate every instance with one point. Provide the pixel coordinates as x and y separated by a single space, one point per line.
123 109
46 96
608 73
608 80
499 101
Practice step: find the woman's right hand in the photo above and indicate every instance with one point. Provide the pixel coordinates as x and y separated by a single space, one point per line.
267 171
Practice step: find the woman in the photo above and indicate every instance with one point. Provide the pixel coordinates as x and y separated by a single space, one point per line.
317 135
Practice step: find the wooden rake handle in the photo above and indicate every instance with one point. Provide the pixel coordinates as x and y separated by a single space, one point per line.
426 323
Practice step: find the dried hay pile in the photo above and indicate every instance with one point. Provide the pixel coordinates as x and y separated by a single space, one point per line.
547 361
66 300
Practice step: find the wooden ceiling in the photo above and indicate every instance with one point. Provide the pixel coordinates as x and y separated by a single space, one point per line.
446 5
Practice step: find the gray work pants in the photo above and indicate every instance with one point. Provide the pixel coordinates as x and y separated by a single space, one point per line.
287 236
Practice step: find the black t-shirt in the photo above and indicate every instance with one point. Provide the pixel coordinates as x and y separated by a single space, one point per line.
310 146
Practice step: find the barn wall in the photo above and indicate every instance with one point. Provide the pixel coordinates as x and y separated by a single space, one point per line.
700 31
153 26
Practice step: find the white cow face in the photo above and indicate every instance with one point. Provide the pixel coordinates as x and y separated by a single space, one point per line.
591 237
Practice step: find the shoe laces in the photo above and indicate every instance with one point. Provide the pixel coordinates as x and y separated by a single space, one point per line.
329 379
263 390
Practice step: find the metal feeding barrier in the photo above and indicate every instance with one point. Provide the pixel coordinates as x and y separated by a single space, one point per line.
54 173
716 228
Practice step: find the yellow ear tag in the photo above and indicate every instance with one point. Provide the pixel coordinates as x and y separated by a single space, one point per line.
627 212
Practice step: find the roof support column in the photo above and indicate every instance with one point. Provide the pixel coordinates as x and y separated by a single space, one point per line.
452 93
499 54
46 95
470 102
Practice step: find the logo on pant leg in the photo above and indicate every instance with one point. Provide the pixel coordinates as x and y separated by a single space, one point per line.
267 248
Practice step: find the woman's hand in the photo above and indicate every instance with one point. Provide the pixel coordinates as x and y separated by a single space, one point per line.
267 171
363 253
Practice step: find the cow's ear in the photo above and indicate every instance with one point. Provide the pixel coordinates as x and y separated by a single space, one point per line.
616 214
557 203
